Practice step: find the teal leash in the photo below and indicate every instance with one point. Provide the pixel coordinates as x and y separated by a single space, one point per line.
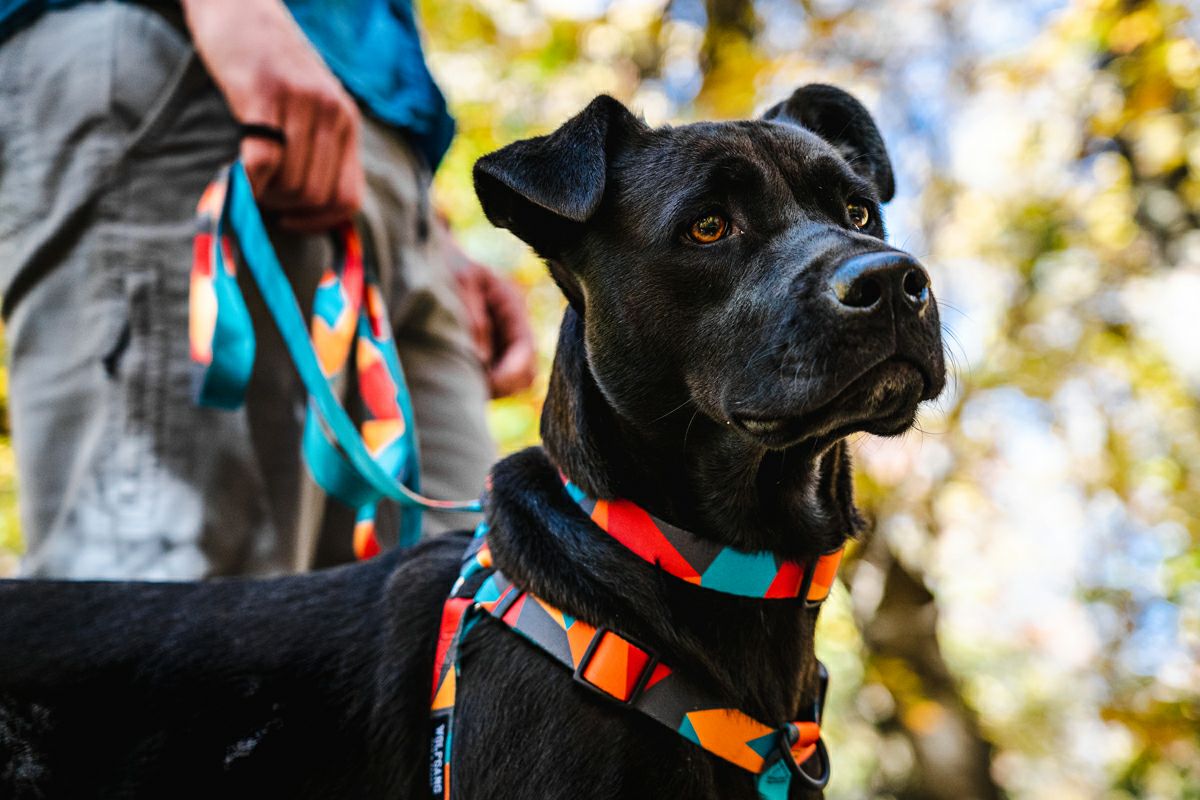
335 451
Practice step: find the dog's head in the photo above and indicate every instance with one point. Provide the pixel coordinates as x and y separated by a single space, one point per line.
740 266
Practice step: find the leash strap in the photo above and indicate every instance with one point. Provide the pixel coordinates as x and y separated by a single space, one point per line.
621 670
707 564
357 465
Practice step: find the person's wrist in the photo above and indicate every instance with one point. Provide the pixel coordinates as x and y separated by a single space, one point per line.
205 7
215 17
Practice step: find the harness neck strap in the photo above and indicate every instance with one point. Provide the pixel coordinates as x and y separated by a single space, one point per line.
708 564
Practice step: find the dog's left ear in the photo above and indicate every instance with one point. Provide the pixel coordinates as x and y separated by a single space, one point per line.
845 123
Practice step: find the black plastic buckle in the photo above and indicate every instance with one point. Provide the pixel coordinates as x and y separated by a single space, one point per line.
511 596
822 689
810 571
643 678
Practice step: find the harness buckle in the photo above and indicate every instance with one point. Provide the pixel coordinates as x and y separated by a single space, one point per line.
823 688
639 684
507 600
819 574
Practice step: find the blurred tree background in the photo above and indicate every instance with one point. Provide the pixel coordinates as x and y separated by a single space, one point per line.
1023 618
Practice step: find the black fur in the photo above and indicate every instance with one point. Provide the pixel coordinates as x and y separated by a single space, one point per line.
671 355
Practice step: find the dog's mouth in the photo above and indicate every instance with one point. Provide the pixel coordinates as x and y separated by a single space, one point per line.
883 400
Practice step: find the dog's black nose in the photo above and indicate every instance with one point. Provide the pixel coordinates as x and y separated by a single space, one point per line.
867 281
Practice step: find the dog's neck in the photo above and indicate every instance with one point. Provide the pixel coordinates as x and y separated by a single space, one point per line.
695 473
760 653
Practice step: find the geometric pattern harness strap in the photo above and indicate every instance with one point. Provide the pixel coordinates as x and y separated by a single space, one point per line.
704 563
623 671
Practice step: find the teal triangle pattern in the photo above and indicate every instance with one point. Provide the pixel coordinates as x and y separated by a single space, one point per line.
764 744
687 731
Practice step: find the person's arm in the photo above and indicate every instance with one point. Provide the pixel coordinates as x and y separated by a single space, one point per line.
271 75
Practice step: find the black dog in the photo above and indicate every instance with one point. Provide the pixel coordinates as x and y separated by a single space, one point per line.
734 314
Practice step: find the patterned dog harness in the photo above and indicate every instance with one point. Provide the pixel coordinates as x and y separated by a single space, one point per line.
623 671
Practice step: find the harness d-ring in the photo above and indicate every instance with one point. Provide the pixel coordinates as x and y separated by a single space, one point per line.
821 755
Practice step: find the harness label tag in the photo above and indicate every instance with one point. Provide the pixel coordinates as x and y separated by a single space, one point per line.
437 757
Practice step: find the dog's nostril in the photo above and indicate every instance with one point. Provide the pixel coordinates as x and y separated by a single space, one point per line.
915 283
862 293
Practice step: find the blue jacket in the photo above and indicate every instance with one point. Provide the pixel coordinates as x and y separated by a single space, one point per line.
371 45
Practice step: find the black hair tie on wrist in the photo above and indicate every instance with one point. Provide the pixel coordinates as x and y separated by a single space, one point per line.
257 130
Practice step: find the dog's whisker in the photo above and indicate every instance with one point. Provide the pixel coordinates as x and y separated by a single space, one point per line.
672 411
962 367
688 429
944 304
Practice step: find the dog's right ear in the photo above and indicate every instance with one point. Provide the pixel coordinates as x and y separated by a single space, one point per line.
835 116
543 189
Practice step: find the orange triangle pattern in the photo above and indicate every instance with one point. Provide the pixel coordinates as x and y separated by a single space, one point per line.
824 575
725 732
445 694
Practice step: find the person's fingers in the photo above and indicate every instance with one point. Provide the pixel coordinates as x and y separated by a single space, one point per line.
473 294
288 188
350 182
336 168
261 159
515 365
310 221
507 307
514 371
320 183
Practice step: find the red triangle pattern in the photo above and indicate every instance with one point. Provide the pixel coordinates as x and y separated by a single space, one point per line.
787 580
633 527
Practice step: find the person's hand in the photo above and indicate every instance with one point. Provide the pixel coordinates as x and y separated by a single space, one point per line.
496 319
270 75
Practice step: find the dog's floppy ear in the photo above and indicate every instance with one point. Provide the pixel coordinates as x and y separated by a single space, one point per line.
543 188
839 119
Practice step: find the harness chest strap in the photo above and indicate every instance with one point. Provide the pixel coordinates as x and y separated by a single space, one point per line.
622 671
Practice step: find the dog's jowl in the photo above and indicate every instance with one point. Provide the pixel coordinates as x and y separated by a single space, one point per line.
734 314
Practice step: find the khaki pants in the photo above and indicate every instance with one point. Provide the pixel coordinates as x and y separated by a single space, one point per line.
110 130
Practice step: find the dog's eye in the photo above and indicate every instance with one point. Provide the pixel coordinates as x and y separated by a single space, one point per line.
708 229
859 215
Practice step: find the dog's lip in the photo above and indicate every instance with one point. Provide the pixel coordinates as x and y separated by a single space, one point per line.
761 426
783 430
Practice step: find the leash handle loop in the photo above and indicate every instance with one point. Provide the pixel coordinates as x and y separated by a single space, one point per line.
335 450
260 257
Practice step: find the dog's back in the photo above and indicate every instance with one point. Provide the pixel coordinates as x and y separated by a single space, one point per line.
304 685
